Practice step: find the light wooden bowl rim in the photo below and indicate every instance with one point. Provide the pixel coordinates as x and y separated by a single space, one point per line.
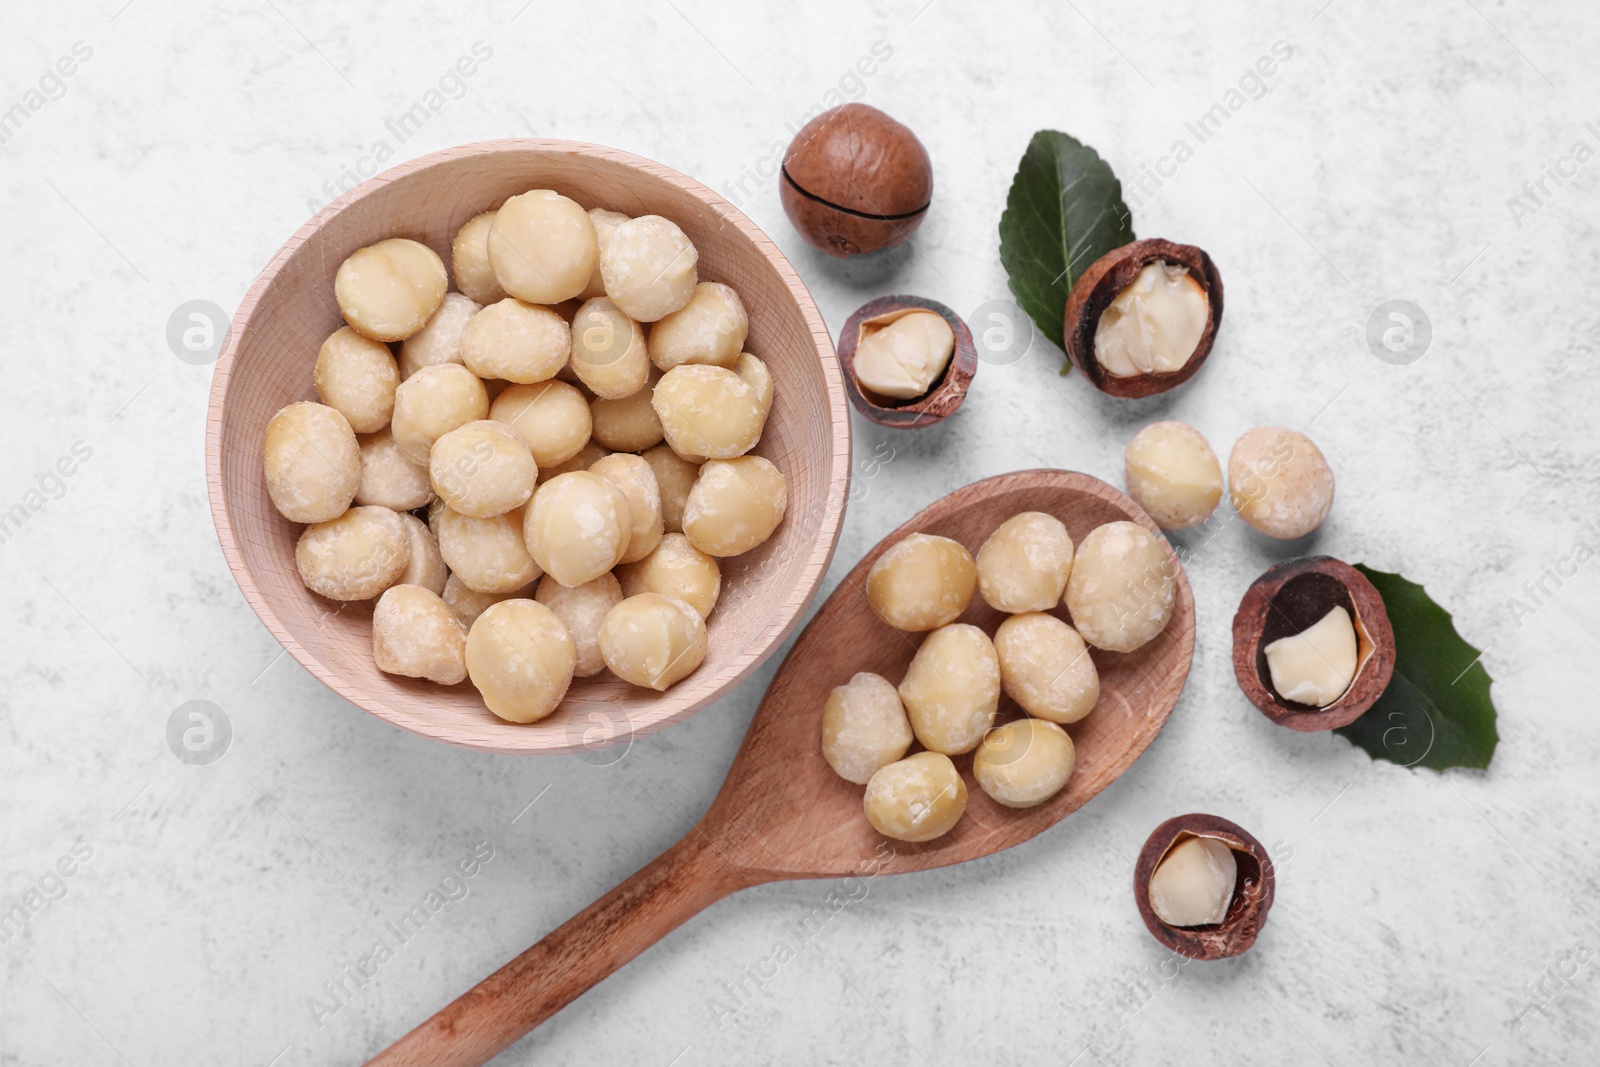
665 710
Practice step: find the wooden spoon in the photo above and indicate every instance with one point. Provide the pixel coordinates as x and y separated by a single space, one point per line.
782 812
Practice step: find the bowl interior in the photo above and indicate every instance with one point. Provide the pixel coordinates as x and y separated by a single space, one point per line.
289 312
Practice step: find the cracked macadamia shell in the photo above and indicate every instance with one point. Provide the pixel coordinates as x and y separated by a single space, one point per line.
521 659
952 688
469 258
1122 587
311 462
516 341
1046 668
676 568
653 640
482 469
1024 763
356 376
708 411
864 727
578 526
542 247
354 557
431 403
389 290
649 268
709 329
1172 473
1023 566
440 340
922 582
582 609
915 799
415 634
1279 482
488 555
735 505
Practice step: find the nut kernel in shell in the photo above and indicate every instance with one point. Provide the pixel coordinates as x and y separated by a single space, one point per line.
864 727
637 481
709 329
582 609
901 354
1046 668
482 469
577 527
440 340
1279 482
653 640
915 799
542 247
855 181
516 342
1316 665
414 634
735 505
311 462
1024 763
389 290
952 688
708 411
678 569
521 659
1154 325
649 268
609 354
1122 587
431 403
553 417
469 258
487 555
1024 564
356 376
354 557
1173 474
1194 882
922 582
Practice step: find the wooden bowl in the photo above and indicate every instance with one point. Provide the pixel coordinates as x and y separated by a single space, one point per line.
290 310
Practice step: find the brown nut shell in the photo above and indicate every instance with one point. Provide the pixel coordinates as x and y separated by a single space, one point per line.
1252 893
943 397
856 181
1288 599
1110 275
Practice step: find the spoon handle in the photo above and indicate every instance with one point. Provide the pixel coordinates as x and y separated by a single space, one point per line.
493 1014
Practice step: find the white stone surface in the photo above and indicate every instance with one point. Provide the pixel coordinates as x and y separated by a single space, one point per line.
1412 906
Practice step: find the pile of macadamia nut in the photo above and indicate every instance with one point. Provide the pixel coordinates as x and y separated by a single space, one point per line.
573 430
1119 585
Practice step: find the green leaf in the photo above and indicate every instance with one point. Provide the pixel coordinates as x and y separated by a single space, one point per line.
1064 211
1436 712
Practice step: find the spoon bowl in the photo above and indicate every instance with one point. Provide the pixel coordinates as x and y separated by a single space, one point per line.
783 814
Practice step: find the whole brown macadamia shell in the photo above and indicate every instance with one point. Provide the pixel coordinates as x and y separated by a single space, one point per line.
856 181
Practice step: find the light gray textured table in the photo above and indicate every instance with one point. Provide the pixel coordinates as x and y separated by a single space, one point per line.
1415 911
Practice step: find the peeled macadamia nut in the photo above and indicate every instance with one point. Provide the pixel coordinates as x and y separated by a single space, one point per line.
604 222
425 565
521 659
677 569
629 424
1024 763
586 457
488 555
388 291
952 688
440 340
415 634
1045 667
577 527
431 403
1279 482
1316 665
918 798
1193 883
356 377
864 727
469 256
708 411
901 355
653 640
1172 473
710 329
675 477
1122 587
922 582
553 417
1154 325
483 469
735 505
311 462
582 609
542 247
516 342
649 268
1023 566
468 603
354 557
637 481
388 478
758 377
608 350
